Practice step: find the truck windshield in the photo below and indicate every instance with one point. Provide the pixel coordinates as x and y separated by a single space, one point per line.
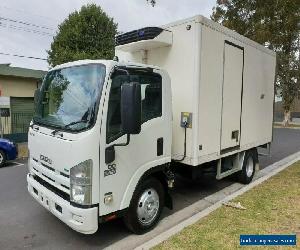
69 97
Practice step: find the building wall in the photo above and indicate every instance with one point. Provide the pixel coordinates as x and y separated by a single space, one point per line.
12 86
17 87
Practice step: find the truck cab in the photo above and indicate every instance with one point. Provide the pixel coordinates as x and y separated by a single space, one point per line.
100 139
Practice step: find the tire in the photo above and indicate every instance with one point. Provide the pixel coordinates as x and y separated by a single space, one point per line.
145 207
2 158
245 176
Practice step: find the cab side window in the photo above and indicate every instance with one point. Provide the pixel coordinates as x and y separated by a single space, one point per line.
151 94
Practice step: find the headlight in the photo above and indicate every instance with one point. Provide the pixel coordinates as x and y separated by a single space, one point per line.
81 183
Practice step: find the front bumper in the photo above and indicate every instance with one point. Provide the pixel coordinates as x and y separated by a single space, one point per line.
83 220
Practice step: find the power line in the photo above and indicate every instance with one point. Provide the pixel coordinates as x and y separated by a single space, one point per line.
22 56
29 13
26 29
25 23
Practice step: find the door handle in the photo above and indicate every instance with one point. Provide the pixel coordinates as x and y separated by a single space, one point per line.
160 146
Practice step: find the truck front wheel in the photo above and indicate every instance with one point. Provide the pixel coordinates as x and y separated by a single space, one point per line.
145 207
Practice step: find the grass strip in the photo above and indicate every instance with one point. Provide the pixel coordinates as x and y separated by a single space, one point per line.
273 207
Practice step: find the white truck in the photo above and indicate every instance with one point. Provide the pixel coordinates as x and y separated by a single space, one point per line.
108 135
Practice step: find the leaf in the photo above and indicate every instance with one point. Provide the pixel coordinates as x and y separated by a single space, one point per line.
234 205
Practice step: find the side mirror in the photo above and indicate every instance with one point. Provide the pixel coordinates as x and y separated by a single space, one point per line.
131 108
130 116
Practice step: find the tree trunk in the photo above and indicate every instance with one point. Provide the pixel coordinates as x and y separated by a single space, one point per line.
287 118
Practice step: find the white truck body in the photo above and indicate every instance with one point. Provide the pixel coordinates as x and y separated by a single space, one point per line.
223 84
224 79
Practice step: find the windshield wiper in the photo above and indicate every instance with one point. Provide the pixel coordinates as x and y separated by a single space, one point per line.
54 132
76 122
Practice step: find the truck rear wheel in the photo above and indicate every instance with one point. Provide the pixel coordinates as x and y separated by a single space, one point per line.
145 207
245 176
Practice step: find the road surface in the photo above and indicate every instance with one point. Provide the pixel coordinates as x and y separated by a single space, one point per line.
24 224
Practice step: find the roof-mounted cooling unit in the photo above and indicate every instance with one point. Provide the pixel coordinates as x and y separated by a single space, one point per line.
144 39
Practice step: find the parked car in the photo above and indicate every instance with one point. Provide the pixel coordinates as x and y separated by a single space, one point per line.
8 151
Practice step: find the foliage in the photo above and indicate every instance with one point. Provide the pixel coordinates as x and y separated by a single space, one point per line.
275 24
152 2
85 34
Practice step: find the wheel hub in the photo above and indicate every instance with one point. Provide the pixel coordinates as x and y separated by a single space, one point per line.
148 206
250 167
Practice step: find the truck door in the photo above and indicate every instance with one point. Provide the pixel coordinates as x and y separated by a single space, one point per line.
149 148
232 97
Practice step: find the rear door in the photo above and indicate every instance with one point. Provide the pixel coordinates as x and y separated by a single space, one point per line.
232 97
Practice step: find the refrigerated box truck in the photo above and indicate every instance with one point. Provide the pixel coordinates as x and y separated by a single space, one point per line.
108 136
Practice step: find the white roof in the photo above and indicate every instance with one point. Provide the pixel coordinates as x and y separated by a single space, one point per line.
108 63
218 27
83 62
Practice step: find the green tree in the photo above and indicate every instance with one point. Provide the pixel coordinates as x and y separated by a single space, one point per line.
152 2
85 34
274 24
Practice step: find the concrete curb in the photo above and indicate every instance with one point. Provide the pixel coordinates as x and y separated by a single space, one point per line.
262 176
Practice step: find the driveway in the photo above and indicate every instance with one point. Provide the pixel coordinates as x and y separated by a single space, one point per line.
24 224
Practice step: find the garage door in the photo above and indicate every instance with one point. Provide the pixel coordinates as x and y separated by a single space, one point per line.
22 109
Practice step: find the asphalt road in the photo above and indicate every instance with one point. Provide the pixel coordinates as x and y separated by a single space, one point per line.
24 224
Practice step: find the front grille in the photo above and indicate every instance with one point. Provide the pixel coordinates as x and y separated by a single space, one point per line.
65 175
46 166
138 35
52 176
48 178
55 190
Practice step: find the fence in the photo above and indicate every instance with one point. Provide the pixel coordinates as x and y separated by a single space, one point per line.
16 126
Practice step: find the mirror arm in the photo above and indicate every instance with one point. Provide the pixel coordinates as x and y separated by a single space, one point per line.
110 151
123 144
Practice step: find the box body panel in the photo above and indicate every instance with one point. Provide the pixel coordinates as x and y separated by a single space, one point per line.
258 98
210 94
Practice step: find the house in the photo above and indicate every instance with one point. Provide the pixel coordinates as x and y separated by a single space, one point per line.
17 87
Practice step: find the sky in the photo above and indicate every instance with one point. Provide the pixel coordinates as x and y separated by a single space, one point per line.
27 27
